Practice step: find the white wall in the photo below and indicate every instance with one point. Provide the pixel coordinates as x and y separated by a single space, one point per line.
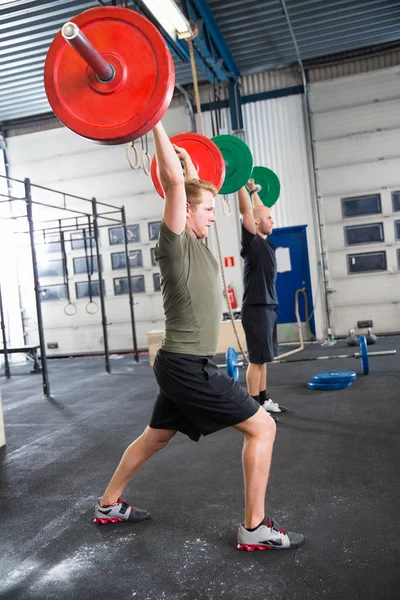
356 130
59 159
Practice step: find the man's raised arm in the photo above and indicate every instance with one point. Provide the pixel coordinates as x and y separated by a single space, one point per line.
254 194
172 181
246 210
189 168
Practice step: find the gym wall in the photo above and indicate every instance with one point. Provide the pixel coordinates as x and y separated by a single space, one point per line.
356 131
275 132
343 110
59 159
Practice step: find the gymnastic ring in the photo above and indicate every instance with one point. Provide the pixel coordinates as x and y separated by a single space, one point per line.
146 162
91 311
136 164
69 312
226 207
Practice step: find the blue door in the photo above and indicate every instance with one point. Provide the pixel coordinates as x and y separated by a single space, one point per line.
293 273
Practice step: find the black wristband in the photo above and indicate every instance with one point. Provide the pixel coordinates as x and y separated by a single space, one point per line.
252 192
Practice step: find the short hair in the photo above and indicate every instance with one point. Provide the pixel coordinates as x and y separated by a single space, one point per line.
193 188
259 210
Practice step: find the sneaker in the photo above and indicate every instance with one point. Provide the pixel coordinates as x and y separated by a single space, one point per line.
119 511
268 536
273 407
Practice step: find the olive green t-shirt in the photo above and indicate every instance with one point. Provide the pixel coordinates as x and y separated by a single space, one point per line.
191 293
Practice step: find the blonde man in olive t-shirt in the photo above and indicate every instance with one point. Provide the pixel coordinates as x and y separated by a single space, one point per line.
195 397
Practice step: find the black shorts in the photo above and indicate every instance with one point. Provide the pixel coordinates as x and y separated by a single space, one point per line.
259 323
196 397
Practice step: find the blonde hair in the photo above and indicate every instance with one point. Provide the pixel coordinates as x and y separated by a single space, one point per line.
193 189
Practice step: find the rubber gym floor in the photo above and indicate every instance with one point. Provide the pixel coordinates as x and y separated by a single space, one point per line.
334 477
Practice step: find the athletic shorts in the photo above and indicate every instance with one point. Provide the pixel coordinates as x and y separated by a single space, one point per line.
196 397
259 323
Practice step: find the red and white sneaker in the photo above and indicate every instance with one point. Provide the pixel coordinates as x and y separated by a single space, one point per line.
268 536
119 511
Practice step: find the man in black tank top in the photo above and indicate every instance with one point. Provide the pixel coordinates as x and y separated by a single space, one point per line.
195 397
259 318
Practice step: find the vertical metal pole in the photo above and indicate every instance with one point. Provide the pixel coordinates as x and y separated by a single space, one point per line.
313 172
3 332
128 268
43 355
101 287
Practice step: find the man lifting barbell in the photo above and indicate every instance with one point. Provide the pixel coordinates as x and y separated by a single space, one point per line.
195 397
259 318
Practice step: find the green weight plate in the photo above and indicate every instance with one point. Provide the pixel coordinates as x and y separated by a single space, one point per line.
238 162
270 185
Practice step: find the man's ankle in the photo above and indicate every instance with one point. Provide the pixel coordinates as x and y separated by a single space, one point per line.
106 501
253 524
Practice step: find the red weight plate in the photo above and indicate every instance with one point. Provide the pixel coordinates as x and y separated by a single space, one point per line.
205 155
136 98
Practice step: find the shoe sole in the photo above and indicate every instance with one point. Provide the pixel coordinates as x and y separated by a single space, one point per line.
98 521
106 521
252 547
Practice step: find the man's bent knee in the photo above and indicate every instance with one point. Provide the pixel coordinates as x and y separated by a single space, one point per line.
157 439
261 425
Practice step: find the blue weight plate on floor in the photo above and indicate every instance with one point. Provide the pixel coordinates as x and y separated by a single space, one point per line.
334 376
315 385
364 354
231 362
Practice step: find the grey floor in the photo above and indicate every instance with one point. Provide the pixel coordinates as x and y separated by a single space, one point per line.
335 477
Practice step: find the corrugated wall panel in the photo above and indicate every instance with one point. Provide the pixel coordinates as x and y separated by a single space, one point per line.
354 67
275 133
270 80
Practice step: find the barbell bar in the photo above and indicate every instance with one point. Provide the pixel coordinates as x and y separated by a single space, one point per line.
232 365
79 42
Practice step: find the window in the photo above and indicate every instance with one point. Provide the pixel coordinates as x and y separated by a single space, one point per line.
53 292
116 234
398 258
121 285
78 242
397 230
153 258
156 282
118 259
365 262
51 268
80 265
364 234
361 205
396 201
154 228
82 289
51 243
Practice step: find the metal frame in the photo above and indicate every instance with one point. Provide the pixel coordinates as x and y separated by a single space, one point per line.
4 336
60 226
